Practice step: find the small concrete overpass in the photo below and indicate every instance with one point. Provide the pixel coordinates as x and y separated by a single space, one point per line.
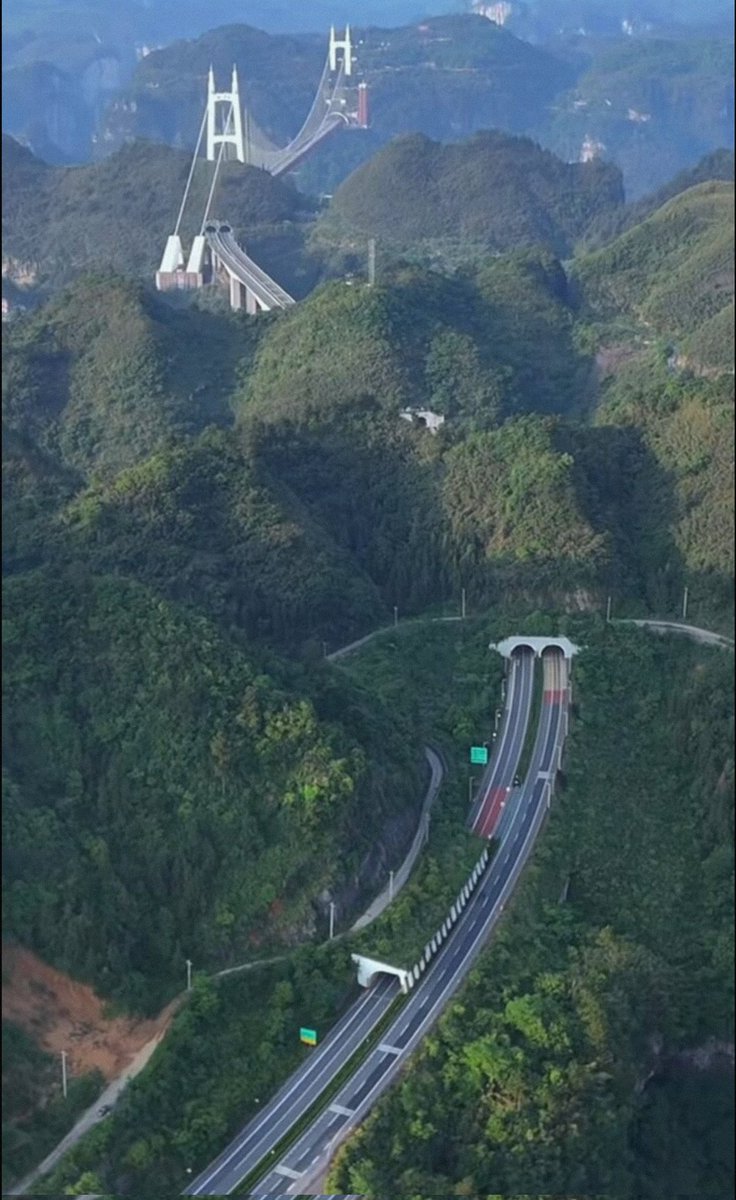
537 645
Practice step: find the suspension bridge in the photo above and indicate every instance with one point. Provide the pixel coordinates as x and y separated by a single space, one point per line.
229 132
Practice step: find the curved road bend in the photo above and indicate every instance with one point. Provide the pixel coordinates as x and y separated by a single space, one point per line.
496 785
306 1160
263 1133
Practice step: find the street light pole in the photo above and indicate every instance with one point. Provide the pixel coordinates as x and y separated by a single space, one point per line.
463 604
390 885
396 614
332 919
608 610
684 605
189 974
63 1073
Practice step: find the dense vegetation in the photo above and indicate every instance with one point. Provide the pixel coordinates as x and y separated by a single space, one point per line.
536 1076
494 190
717 165
198 505
160 804
617 952
673 274
35 1114
655 104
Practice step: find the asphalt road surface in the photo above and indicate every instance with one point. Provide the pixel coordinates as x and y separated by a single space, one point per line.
259 1138
306 1159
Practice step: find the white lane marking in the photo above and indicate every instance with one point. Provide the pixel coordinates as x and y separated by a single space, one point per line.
472 950
314 1072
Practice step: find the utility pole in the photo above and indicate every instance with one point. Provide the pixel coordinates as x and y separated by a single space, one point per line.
471 781
608 610
371 262
189 974
332 919
684 604
63 1073
390 885
463 605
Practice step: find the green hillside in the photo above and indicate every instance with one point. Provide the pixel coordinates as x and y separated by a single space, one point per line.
108 374
717 165
198 505
167 795
672 274
494 190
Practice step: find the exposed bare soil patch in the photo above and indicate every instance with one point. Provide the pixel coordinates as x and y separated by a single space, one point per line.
61 1014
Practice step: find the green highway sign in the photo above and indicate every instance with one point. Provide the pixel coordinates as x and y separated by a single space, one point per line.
308 1036
479 754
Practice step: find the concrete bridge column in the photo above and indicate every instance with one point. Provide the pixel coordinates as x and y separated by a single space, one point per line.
236 296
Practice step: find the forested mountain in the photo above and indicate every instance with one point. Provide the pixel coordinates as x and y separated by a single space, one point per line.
655 105
715 166
673 274
495 191
166 793
199 504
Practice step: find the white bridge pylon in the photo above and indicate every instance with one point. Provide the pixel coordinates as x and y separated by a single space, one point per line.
231 131
343 44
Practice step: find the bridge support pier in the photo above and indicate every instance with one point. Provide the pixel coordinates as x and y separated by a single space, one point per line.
236 297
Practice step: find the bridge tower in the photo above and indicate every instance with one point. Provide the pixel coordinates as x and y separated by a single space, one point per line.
343 44
231 133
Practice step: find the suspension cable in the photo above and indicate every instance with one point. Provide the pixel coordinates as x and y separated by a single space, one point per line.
226 129
191 172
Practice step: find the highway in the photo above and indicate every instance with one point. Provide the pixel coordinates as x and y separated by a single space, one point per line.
222 243
497 785
259 1138
306 1160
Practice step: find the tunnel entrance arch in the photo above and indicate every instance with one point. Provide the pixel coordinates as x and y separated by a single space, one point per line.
370 968
536 644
